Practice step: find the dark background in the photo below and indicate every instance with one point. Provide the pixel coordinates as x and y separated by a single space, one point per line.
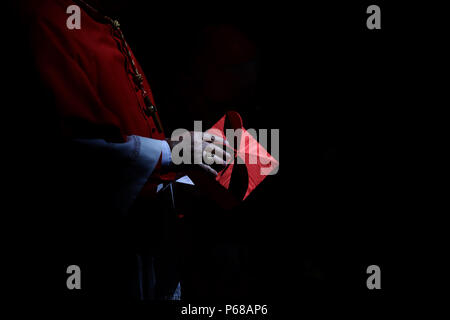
333 89
321 77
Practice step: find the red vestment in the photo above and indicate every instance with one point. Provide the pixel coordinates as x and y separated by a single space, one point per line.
89 75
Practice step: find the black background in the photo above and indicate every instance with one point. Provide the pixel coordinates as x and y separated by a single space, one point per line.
335 90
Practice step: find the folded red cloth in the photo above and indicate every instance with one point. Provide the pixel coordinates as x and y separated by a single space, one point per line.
250 165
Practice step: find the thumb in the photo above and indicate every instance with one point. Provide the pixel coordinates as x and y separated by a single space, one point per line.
208 169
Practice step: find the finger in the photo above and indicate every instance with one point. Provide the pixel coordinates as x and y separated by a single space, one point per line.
208 169
210 158
222 153
219 161
214 138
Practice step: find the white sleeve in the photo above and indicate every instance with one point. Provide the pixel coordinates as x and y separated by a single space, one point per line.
138 157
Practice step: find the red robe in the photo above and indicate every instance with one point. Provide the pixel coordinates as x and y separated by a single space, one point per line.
89 76
89 73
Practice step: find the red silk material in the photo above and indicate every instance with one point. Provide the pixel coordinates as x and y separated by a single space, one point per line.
249 167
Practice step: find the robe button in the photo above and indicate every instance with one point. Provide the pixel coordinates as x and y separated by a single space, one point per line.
116 24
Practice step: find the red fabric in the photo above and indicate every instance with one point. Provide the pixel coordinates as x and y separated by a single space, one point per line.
257 162
89 75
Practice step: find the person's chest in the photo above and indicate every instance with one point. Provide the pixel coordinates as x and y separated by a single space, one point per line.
111 67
